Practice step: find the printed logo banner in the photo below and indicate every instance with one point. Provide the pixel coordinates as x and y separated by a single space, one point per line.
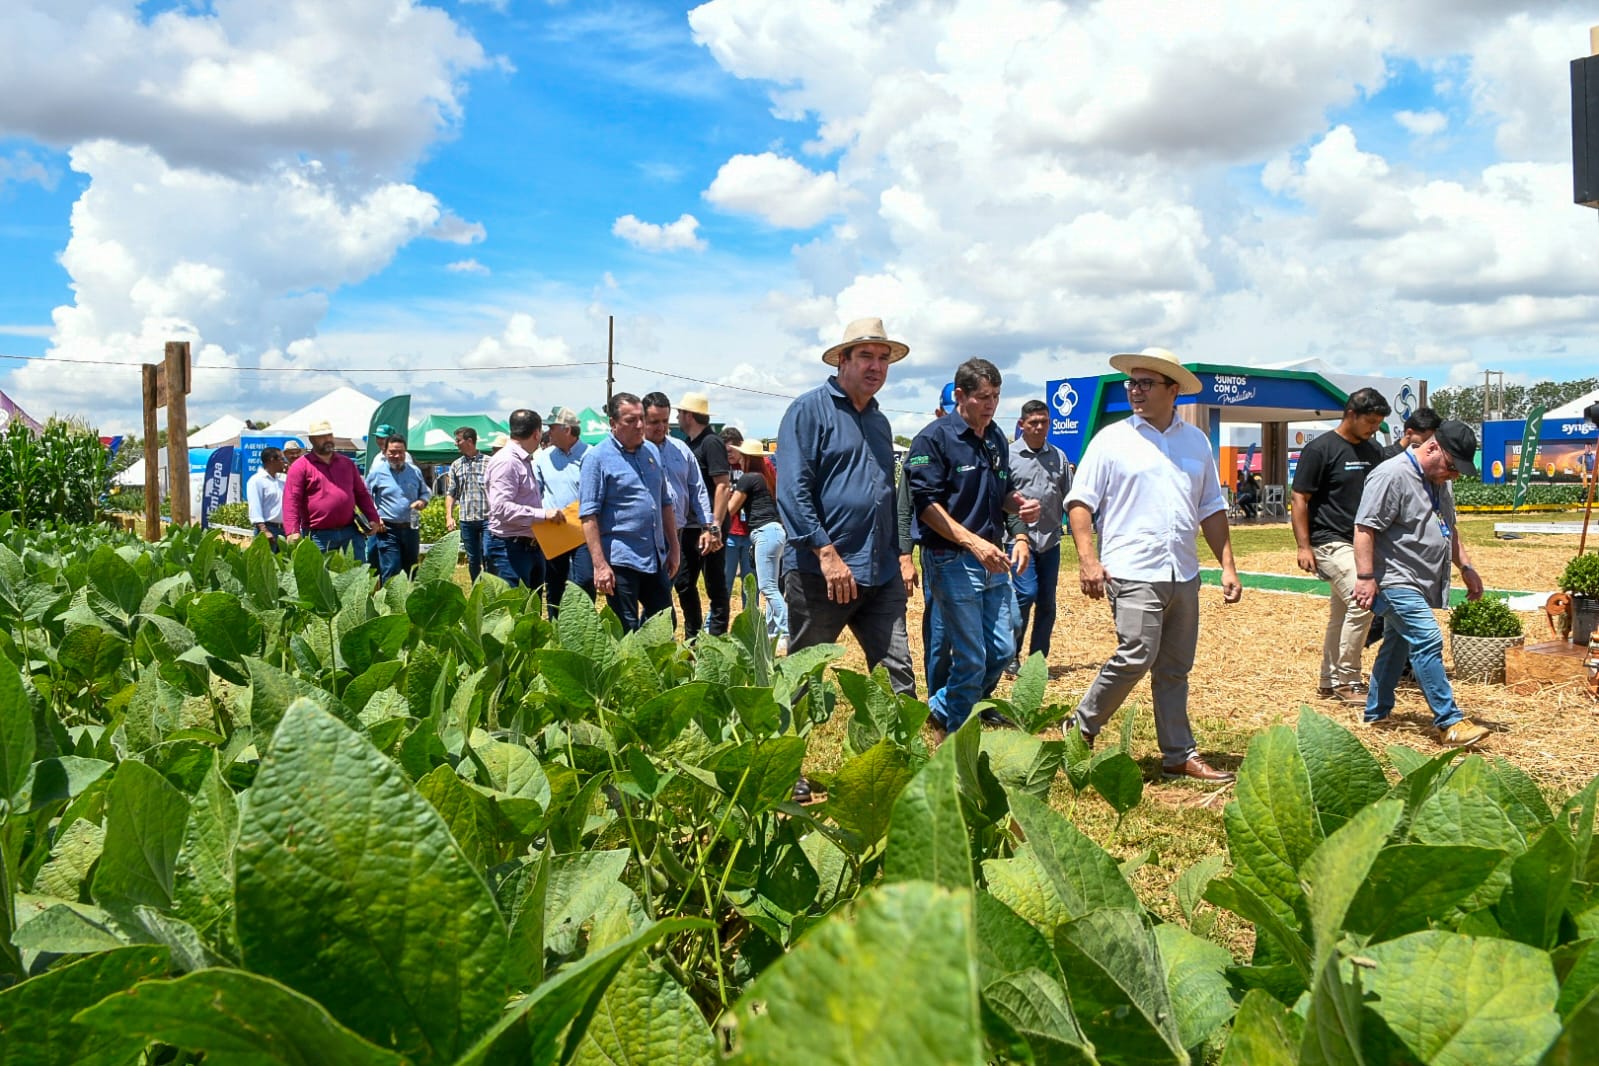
218 482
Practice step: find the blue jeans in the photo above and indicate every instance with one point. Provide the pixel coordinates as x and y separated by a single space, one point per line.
639 595
1036 587
1409 628
398 548
516 559
740 554
475 542
768 544
331 540
935 647
975 608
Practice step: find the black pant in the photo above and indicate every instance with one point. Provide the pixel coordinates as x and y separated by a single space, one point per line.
876 616
574 566
639 596
714 566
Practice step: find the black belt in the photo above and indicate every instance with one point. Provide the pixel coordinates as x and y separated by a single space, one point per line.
396 525
526 542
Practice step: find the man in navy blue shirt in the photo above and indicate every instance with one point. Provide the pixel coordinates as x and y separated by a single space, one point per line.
843 566
959 473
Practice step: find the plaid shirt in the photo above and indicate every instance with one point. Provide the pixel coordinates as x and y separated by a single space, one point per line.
466 487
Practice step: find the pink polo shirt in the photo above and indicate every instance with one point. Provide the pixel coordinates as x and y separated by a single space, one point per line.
319 495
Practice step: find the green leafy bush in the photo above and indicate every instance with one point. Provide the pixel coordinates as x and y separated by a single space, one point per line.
1581 576
431 526
1486 617
57 475
231 514
1476 494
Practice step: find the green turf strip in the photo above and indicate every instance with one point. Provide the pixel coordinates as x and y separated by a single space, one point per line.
1315 586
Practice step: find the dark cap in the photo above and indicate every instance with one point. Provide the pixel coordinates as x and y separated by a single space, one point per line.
1460 443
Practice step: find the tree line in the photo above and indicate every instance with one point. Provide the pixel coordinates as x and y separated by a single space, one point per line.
1519 400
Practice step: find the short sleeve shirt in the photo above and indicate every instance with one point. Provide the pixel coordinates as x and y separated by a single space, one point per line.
759 507
1332 472
1413 524
711 452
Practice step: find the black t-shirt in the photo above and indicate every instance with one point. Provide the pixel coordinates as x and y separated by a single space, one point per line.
1332 472
711 452
760 507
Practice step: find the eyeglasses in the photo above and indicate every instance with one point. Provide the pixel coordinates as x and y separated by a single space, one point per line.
1143 384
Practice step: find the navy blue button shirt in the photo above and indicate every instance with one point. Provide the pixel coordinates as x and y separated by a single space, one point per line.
950 464
836 484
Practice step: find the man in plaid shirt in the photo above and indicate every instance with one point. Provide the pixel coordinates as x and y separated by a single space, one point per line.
467 491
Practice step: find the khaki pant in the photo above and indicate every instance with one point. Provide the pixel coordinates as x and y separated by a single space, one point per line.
1346 623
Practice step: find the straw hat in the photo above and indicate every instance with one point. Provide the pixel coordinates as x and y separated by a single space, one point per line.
752 448
320 429
865 331
697 402
1161 361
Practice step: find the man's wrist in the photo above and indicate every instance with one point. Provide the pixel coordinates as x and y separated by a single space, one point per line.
1365 577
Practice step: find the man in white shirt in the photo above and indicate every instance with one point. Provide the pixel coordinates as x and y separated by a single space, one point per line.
265 494
1151 482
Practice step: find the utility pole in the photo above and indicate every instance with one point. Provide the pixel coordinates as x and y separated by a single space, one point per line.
610 361
1493 402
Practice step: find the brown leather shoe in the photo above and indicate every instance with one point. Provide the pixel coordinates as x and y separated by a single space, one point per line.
1355 694
1199 770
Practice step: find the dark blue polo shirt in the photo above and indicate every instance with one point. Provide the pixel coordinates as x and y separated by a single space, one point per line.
950 464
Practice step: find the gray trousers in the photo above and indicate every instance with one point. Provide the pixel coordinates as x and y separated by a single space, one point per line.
1157 624
876 616
1347 623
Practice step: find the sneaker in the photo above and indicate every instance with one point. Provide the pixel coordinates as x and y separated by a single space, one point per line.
1013 668
782 647
994 720
1385 722
1463 734
1350 693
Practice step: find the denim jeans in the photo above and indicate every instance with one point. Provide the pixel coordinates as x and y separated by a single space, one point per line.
739 554
1409 627
274 535
639 596
331 540
769 541
474 541
516 559
398 548
935 645
975 608
1035 589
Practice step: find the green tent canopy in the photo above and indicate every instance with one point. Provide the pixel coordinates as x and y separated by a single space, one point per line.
432 440
596 427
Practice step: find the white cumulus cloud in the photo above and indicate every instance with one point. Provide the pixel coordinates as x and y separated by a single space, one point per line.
466 266
681 235
777 189
1428 123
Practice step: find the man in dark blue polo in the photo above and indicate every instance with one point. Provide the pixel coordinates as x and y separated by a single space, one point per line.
959 472
628 519
835 496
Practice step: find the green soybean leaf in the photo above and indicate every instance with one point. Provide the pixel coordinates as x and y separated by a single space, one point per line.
468 812
861 795
1464 1001
645 1019
1007 943
661 719
1272 826
351 890
235 1017
758 710
203 886
441 559
1119 780
374 640
112 577
895 977
1232 894
759 774
1464 810
1411 885
72 857
272 691
927 837
224 628
1085 878
1540 881
1118 987
1021 761
1344 777
91 653
145 821
1196 983
36 1016
1264 1033
1034 1005
1337 868
581 886
311 578
579 629
1191 884
17 739
1079 758
435 606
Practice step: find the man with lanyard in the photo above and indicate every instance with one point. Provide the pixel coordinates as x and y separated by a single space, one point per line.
835 496
559 470
467 493
265 493
691 503
515 503
321 494
702 554
400 494
1405 539
1039 471
1150 483
959 471
628 520
1327 483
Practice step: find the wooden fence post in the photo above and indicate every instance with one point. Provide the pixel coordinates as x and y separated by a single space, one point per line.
177 368
152 459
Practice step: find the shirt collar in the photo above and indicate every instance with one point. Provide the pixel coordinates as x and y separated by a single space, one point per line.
1139 421
839 394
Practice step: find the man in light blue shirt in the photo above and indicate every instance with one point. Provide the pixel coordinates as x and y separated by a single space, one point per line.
400 494
559 471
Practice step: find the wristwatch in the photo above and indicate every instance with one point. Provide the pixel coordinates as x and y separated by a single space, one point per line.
715 530
1365 577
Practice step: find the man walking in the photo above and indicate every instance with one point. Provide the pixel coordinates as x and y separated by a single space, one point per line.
469 496
1405 539
1039 471
515 503
1152 482
1332 470
559 470
842 565
400 494
959 470
265 493
702 547
321 493
628 519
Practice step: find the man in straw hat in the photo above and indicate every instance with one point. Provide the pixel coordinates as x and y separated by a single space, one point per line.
1151 482
842 565
321 494
703 544
1405 539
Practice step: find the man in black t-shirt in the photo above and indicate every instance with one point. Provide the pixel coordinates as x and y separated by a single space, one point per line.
1419 428
703 548
1327 484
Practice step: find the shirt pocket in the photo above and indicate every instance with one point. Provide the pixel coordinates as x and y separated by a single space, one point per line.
1193 470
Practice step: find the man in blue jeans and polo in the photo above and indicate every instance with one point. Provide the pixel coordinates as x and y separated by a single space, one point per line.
1405 539
400 494
959 473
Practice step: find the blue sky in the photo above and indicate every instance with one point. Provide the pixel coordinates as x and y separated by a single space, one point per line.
476 186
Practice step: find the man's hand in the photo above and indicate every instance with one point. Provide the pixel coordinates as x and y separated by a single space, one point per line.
674 557
449 525
379 527
1473 583
417 505
1232 590
556 518
1365 591
1307 560
840 582
1091 578
707 542
907 574
992 556
1027 509
292 538
604 578
1021 553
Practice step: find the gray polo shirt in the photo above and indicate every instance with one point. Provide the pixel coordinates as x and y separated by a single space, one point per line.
1045 476
1414 523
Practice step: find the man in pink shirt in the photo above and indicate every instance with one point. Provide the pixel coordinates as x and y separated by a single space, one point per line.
515 503
321 494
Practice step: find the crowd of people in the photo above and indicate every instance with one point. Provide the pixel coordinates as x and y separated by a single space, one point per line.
829 527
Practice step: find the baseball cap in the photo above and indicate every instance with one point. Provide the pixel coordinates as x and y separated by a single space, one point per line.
1460 444
384 430
946 399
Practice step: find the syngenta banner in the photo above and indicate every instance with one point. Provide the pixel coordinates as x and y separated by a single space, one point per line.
1070 401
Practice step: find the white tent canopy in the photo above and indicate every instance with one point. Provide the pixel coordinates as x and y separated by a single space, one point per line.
349 411
1572 409
223 431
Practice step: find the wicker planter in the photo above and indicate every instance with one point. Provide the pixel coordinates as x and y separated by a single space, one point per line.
1481 658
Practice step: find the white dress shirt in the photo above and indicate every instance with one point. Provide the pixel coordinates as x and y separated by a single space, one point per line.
265 494
1151 490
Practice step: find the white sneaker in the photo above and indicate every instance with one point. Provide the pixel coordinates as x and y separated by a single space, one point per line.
782 647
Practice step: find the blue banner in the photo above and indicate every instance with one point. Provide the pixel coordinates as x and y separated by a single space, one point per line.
251 445
1071 403
218 480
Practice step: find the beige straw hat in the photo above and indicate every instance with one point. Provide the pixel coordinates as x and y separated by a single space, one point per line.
865 331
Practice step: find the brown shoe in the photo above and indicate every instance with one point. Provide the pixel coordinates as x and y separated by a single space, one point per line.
1198 769
1350 693
1463 734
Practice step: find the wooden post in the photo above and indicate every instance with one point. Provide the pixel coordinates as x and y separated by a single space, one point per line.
177 368
152 459
610 361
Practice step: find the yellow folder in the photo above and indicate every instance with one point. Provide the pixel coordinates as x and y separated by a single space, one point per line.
559 539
